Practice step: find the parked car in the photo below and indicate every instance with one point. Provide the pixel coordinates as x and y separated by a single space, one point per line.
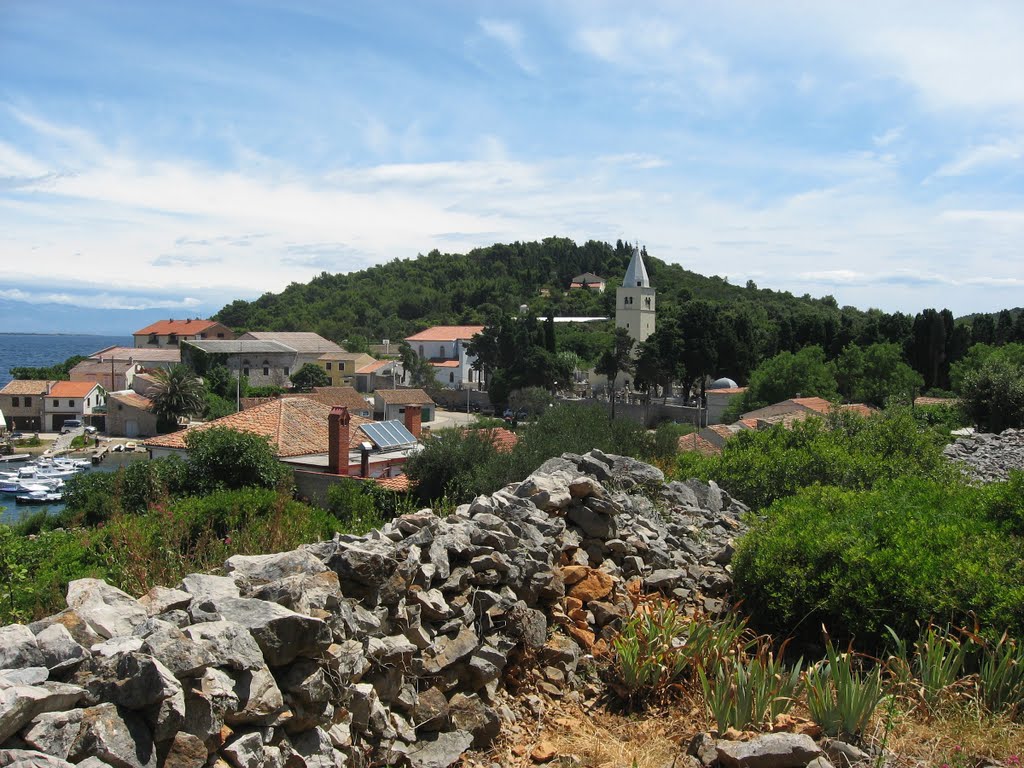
70 425
90 430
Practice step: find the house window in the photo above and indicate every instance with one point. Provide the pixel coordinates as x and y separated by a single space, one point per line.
120 407
15 402
28 402
88 402
287 370
172 338
451 378
71 403
153 339
442 350
56 403
421 350
647 301
266 370
245 371
220 335
328 366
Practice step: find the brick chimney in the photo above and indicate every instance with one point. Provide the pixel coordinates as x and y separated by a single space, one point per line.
338 440
414 419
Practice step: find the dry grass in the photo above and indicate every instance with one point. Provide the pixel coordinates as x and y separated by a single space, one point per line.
654 738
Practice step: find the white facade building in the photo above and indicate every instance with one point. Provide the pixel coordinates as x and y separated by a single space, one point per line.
444 347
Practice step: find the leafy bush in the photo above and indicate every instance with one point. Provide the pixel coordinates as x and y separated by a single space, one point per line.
904 553
666 438
353 506
461 464
993 395
844 450
225 458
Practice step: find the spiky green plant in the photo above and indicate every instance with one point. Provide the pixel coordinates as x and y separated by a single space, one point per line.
841 698
750 692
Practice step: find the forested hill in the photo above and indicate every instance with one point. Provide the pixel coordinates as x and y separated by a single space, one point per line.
725 329
401 297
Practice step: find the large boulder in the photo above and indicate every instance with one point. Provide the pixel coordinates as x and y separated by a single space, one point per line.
107 610
18 648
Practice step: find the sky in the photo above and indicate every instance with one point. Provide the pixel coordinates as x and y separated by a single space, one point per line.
177 156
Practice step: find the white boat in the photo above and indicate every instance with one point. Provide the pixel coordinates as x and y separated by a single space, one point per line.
39 497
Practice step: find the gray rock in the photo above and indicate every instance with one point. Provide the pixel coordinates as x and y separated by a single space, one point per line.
314 749
261 569
203 587
59 649
369 563
21 703
844 755
178 652
666 579
303 593
26 758
469 713
259 698
438 751
281 634
430 713
773 750
54 732
448 650
115 736
23 676
82 633
162 599
246 751
547 491
231 644
107 610
18 648
185 751
116 646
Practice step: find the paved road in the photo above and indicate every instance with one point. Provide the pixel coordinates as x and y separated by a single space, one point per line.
63 441
450 419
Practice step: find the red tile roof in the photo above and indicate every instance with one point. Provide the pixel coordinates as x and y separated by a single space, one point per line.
180 327
858 408
404 396
446 333
694 442
133 399
296 426
139 354
376 365
25 387
727 391
440 362
72 388
816 404
398 484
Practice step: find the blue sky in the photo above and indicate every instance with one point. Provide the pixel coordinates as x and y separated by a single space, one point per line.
181 155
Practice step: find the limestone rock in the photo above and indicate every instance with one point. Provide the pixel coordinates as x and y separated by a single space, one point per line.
59 649
230 643
54 732
438 751
107 610
21 703
26 758
18 648
773 750
261 569
116 736
162 599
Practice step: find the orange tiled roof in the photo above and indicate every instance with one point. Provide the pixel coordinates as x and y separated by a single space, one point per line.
134 399
924 400
748 423
376 365
441 362
816 404
346 396
404 396
726 391
399 484
446 333
180 327
140 355
694 442
503 440
72 388
295 426
722 430
25 387
858 408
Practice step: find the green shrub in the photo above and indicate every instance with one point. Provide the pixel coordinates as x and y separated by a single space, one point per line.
353 505
225 458
903 554
666 438
843 450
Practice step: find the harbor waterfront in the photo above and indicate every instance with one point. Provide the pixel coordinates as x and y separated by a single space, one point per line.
37 350
11 512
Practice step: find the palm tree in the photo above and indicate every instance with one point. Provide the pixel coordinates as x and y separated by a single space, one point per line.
178 393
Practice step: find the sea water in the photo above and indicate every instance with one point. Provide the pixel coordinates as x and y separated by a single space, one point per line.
39 350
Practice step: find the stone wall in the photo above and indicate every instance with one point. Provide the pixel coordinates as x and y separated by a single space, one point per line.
390 648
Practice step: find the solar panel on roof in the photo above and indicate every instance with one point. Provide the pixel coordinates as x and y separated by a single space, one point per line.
389 434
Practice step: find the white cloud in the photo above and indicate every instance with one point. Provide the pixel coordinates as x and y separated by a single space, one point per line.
510 35
1002 153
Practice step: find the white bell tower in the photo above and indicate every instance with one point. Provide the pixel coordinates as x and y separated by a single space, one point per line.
634 300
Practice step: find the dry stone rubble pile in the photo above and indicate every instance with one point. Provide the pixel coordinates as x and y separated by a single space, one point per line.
392 647
989 458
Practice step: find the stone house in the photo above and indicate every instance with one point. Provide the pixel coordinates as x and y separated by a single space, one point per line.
21 401
169 333
112 375
129 415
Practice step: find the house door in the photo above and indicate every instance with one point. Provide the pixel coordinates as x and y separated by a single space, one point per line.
131 428
58 420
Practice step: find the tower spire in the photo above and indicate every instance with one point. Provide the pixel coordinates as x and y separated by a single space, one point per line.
636 272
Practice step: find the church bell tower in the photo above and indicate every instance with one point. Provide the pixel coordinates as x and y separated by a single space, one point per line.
634 300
